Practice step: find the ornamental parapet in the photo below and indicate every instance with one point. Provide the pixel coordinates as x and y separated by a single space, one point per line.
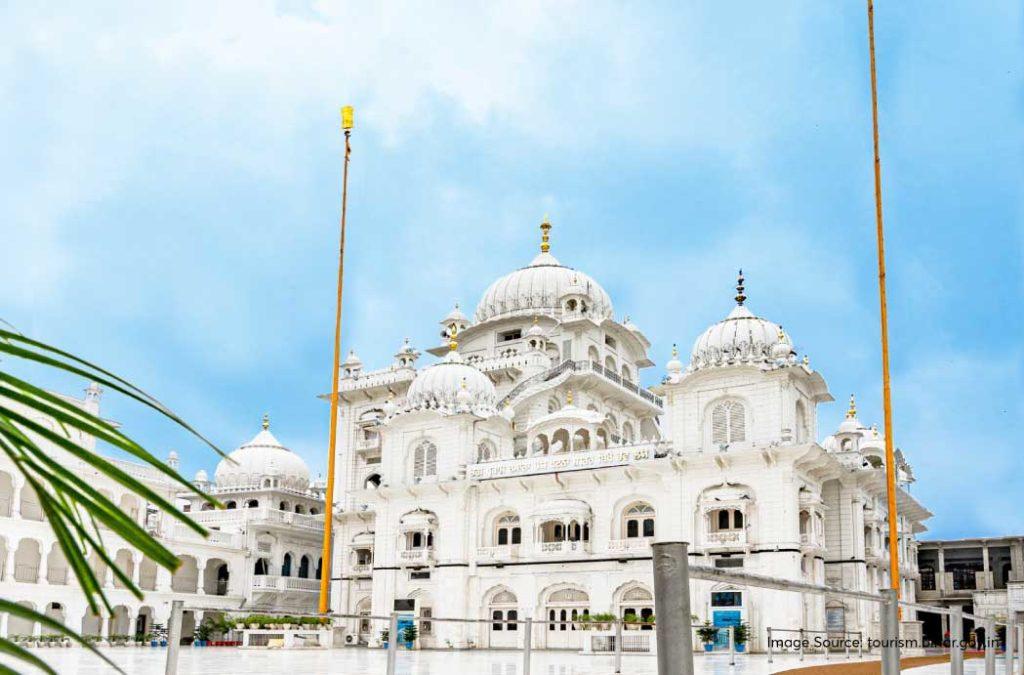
569 461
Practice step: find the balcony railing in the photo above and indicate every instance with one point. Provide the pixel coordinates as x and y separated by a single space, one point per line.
632 544
507 552
580 459
811 539
273 582
727 538
562 547
417 555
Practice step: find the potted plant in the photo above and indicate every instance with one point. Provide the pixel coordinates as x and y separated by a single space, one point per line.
647 619
410 634
740 636
707 634
384 635
629 622
202 633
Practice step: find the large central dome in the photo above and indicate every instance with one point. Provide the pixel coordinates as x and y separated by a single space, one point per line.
546 287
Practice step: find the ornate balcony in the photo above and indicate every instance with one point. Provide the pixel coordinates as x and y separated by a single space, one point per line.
273 582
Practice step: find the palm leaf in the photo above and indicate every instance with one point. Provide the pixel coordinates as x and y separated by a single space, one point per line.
77 512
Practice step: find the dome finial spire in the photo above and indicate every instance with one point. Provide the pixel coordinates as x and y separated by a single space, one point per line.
740 298
852 412
675 351
266 421
545 230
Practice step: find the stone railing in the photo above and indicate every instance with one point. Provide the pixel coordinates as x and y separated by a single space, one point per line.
508 552
561 547
273 582
567 461
215 537
633 544
727 538
377 378
583 367
417 555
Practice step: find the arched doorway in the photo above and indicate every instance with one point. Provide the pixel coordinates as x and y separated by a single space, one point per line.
503 607
562 608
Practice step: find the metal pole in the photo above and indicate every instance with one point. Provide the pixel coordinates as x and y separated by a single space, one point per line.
618 646
732 646
392 643
527 646
956 640
801 644
770 645
890 633
1020 644
990 647
325 574
1009 652
173 637
672 607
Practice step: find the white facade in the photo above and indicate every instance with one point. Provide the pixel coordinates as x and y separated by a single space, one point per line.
527 474
273 514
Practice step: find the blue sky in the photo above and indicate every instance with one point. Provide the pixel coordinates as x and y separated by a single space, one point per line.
170 188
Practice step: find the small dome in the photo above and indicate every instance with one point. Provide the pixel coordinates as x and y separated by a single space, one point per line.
535 330
453 386
674 366
540 287
569 414
261 459
455 316
741 338
172 456
352 360
628 324
201 476
406 348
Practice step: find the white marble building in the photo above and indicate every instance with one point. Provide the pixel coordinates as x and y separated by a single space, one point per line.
526 473
263 551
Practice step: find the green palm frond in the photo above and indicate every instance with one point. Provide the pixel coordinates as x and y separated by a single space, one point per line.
77 512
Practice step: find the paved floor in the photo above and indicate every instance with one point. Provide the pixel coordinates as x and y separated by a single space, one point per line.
971 667
351 661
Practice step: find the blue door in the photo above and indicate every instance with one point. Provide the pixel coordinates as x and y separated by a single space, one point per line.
722 619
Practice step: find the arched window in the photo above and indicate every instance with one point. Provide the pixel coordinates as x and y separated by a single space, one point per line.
486 452
424 462
304 567
847 445
231 505
507 530
728 423
286 566
372 481
638 521
283 506
253 504
262 567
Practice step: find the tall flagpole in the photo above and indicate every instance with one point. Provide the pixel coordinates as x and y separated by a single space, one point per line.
890 459
326 566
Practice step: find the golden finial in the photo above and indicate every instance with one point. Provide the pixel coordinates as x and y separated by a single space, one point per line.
807 360
568 398
782 335
675 351
347 114
266 421
453 334
545 230
852 412
740 298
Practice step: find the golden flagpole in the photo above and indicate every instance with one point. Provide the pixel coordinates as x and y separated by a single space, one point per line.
890 459
326 566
